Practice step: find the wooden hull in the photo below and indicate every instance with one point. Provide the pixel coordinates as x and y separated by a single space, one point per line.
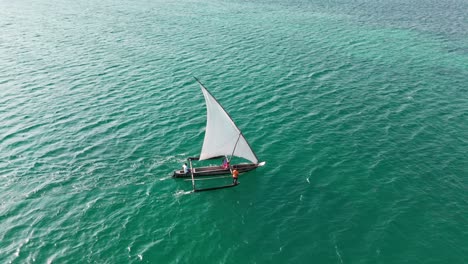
214 170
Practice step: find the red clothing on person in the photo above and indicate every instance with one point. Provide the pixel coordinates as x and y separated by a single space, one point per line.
235 174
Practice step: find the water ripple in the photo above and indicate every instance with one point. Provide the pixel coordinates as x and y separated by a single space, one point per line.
358 108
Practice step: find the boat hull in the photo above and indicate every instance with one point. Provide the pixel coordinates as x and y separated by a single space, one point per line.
214 170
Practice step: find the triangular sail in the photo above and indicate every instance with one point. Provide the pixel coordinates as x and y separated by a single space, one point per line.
222 137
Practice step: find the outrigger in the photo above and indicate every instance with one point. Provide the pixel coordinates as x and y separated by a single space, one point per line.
223 139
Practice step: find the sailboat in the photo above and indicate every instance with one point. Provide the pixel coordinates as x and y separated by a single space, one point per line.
223 140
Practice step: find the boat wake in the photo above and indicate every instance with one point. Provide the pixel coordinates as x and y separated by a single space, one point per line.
180 193
165 178
338 254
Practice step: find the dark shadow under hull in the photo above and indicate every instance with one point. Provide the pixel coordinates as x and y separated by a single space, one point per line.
216 188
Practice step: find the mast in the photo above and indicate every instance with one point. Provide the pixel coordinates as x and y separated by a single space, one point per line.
233 150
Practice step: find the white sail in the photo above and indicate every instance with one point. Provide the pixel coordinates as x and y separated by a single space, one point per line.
222 136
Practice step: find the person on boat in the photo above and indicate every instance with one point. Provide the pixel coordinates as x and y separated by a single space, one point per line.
185 168
235 176
225 163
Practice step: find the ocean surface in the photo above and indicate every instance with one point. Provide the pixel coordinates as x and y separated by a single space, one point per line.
358 107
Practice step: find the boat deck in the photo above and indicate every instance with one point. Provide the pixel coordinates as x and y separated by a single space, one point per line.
214 170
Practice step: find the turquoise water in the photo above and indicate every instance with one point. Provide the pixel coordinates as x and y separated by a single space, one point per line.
359 109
